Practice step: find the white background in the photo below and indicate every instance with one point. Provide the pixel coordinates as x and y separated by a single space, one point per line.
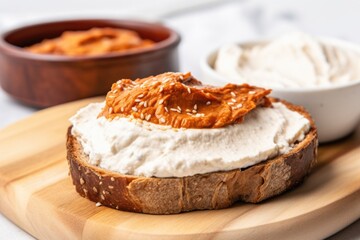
203 24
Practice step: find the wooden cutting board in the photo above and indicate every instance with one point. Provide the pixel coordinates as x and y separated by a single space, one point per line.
36 193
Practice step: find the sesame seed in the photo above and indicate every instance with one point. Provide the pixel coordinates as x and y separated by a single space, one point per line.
181 77
251 92
134 109
122 109
111 187
178 107
189 114
173 109
110 110
208 103
112 179
161 101
161 89
115 91
100 183
137 100
188 110
189 90
145 104
230 103
141 103
162 120
102 197
98 204
141 96
233 94
95 189
117 207
194 111
195 107
82 181
166 109
142 116
239 105
148 117
199 115
172 84
85 191
233 100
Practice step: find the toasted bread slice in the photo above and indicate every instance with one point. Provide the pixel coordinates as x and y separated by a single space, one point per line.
214 190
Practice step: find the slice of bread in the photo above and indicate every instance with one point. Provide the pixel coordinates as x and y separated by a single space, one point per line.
214 190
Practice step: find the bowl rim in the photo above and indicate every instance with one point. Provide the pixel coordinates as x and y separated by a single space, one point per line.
172 41
209 70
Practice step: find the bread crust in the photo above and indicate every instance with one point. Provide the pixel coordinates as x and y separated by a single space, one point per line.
214 190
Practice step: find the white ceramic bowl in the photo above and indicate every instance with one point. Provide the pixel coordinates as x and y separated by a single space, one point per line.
335 109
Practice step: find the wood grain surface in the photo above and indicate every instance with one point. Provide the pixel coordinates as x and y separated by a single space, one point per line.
36 193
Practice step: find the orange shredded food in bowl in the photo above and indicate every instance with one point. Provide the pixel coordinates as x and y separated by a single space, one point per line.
95 41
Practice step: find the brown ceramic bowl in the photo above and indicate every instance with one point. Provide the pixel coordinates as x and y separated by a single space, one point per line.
43 80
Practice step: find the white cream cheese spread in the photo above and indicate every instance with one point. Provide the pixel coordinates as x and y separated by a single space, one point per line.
293 60
132 147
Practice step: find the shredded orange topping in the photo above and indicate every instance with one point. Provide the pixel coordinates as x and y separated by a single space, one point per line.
91 42
181 101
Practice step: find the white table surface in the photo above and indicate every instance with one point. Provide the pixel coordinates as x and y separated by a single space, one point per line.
203 24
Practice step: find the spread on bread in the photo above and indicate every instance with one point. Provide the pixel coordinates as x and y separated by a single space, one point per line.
91 42
214 146
171 126
179 100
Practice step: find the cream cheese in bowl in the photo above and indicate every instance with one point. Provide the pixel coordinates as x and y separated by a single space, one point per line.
295 60
321 74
